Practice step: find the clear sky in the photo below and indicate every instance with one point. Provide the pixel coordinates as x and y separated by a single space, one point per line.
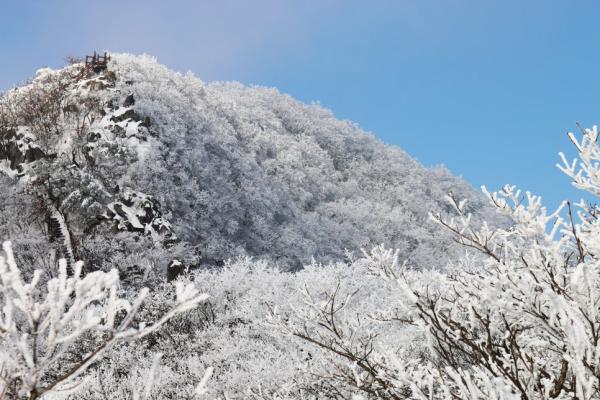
487 88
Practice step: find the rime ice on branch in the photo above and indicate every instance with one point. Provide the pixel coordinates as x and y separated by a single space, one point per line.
517 318
39 326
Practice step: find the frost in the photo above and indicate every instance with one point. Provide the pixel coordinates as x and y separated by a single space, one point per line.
38 326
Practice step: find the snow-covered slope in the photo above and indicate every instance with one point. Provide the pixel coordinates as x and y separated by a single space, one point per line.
140 157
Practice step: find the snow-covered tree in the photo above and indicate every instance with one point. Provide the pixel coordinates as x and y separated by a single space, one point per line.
517 318
51 334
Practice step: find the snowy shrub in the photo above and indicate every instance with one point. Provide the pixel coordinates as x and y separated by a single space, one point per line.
231 333
49 336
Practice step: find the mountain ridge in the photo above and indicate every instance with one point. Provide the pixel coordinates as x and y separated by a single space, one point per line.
219 170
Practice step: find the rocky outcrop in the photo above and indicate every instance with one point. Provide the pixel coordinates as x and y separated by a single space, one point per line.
137 212
18 147
128 114
175 269
129 101
99 134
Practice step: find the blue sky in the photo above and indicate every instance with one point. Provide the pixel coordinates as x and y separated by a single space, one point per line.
487 88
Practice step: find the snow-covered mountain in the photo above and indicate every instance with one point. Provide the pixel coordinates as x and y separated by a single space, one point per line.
139 160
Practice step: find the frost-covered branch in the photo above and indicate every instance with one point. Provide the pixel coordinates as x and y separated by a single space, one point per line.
517 318
50 335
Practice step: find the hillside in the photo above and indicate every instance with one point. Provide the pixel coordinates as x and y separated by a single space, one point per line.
140 160
221 229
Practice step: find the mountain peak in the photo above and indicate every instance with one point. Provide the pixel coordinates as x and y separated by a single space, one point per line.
229 170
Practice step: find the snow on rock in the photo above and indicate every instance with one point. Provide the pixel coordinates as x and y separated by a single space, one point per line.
137 212
94 129
175 269
119 129
18 147
96 82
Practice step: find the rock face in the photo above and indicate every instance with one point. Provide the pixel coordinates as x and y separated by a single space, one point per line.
138 212
97 137
18 147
